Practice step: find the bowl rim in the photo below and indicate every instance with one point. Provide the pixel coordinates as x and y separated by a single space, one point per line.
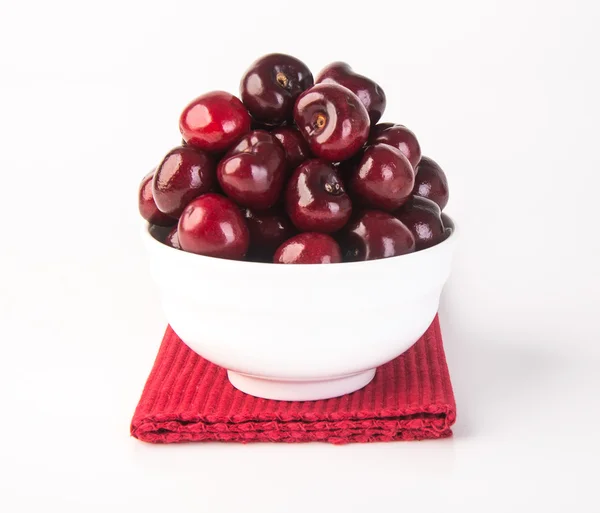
226 263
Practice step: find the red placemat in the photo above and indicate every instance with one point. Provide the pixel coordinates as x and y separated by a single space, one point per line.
189 399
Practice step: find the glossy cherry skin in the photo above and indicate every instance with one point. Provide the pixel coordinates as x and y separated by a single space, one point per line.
431 182
400 137
268 230
270 86
184 174
147 206
309 248
315 198
172 239
369 93
213 225
333 121
214 121
373 235
296 148
423 218
253 172
383 178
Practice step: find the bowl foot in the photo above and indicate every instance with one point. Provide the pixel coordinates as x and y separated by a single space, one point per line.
300 390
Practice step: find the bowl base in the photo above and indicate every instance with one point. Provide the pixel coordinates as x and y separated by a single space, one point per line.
305 390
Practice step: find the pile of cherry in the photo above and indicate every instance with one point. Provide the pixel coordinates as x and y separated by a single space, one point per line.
298 171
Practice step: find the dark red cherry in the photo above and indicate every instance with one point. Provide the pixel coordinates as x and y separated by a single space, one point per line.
255 125
268 230
148 209
315 198
431 182
369 93
378 128
399 137
172 239
253 172
214 121
270 86
212 225
296 148
333 121
423 218
309 248
184 174
374 234
383 178
447 222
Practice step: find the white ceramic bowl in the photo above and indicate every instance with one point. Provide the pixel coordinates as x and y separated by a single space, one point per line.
299 332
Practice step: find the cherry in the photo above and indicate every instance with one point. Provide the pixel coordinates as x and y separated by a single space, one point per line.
172 239
184 174
255 125
147 205
214 121
315 198
373 235
212 225
333 121
296 148
380 127
252 173
270 86
423 218
309 248
400 137
383 178
268 230
431 182
369 93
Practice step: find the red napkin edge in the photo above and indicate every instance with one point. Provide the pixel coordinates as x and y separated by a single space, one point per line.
178 371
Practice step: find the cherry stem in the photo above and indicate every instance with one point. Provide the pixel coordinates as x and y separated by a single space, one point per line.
282 79
320 121
335 188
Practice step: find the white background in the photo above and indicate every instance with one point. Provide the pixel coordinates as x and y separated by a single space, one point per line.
504 94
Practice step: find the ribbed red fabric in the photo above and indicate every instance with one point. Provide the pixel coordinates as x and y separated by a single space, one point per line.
188 399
